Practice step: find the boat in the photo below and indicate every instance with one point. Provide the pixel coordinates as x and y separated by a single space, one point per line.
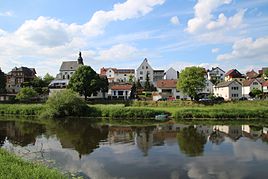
161 117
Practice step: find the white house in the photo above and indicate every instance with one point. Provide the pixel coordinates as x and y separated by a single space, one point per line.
142 71
171 74
120 91
265 86
229 90
167 89
208 87
216 74
118 75
249 85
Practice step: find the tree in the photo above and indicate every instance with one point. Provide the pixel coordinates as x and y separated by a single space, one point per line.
104 85
147 86
255 93
47 79
138 84
26 94
2 82
85 81
131 79
191 81
133 93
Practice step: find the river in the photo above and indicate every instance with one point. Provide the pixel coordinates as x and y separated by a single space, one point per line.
167 150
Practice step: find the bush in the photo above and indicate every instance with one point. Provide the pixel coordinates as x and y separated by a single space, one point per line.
26 94
65 103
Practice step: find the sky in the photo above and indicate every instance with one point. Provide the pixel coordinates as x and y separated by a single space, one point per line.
120 33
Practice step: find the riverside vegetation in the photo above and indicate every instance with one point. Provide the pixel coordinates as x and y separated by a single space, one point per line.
14 167
68 103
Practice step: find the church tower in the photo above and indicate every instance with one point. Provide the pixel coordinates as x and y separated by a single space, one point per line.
80 59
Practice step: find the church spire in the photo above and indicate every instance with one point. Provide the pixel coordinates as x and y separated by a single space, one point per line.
80 59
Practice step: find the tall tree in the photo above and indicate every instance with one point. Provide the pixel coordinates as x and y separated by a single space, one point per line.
104 85
2 82
191 81
147 86
133 93
85 81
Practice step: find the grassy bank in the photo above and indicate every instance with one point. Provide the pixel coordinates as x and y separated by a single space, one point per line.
177 109
13 167
21 109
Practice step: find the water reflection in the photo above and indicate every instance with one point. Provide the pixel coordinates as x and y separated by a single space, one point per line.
156 151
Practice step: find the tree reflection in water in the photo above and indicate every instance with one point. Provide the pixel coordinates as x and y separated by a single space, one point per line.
191 142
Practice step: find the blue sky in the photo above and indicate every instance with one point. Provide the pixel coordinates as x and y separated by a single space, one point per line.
121 33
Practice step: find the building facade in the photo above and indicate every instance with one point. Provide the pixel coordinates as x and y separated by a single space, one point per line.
249 85
17 77
171 74
229 90
234 74
118 75
142 71
216 74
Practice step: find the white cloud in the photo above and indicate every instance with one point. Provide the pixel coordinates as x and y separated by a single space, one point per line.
247 50
46 40
7 14
215 50
204 21
118 52
175 20
121 11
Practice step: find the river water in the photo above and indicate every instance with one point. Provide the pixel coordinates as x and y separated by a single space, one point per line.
168 150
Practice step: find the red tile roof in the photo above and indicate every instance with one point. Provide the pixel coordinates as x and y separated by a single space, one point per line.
265 83
249 81
234 73
166 83
252 74
121 87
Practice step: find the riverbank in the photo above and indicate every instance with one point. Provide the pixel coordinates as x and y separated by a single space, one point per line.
147 110
14 167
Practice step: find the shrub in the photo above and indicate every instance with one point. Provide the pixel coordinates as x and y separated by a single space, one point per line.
65 103
26 94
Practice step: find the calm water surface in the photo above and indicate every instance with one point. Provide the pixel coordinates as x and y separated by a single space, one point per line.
156 151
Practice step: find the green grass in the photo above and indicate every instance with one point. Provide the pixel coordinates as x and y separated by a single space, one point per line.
21 109
12 166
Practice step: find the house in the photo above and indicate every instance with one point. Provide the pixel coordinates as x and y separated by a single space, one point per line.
118 75
265 87
229 90
17 77
234 74
171 74
251 74
158 75
144 69
250 84
120 91
208 87
167 89
216 74
67 69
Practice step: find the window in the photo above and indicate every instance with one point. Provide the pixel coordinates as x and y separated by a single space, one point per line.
120 93
126 93
142 67
255 83
125 74
71 67
235 88
141 78
146 67
114 93
141 72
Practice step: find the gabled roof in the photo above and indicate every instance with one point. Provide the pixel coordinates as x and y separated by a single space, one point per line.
252 74
166 83
216 68
249 82
234 73
121 87
225 84
69 66
116 70
27 71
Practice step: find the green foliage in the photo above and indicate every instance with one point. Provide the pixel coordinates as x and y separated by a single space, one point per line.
191 81
255 93
65 103
85 81
21 109
147 86
133 93
131 79
103 85
138 84
266 73
47 79
2 82
14 167
191 142
26 94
